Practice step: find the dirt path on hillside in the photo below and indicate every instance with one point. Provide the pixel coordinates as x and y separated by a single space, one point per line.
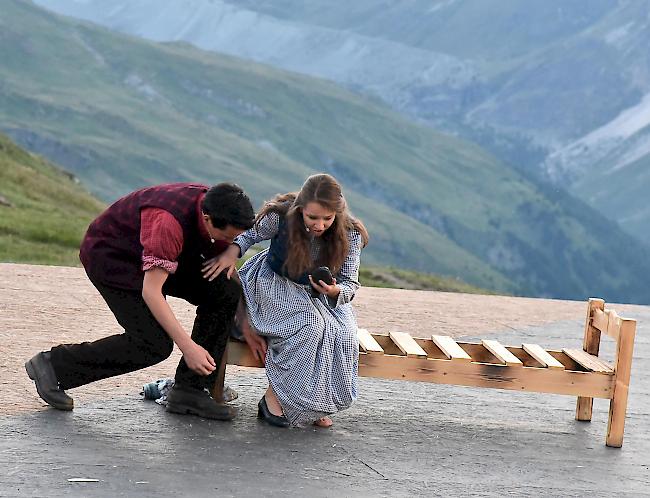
41 306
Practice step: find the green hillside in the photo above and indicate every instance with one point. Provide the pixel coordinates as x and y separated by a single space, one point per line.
531 85
121 113
43 211
620 191
395 278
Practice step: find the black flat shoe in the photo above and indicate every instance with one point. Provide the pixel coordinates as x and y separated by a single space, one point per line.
264 413
40 370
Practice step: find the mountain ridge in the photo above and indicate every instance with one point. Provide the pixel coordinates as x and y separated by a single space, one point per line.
122 113
533 85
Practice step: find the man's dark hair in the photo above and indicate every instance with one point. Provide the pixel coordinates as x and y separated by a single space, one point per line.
227 204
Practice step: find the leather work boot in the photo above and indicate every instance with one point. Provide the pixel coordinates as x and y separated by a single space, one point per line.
187 400
40 370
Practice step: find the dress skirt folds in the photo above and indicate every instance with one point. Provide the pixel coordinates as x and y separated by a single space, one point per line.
312 357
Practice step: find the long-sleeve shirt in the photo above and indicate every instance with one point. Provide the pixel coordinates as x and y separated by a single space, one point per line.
161 236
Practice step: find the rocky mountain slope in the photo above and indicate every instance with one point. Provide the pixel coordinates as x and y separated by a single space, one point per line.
545 86
120 113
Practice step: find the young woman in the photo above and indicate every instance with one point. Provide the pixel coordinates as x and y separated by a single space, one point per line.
311 349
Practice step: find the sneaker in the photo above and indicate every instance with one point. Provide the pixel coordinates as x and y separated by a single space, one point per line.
40 370
192 401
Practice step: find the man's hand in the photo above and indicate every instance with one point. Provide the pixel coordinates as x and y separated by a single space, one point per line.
198 359
226 260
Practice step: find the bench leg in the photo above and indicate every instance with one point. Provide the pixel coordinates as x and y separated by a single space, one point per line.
591 345
618 404
616 421
584 408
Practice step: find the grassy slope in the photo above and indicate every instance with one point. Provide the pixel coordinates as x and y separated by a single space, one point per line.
612 192
204 121
48 211
44 213
395 278
122 113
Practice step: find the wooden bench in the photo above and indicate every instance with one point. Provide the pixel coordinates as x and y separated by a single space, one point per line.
442 360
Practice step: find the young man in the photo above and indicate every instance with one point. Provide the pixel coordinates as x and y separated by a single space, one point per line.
154 242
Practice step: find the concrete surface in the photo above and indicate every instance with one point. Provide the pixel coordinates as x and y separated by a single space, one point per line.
399 439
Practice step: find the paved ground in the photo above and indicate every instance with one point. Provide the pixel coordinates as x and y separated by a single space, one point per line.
399 439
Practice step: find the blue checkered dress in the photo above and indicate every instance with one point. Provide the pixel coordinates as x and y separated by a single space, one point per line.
313 352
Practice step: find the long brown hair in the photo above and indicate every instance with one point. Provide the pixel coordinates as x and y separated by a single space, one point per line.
326 191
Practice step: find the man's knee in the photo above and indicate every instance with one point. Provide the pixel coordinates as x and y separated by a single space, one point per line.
222 293
154 353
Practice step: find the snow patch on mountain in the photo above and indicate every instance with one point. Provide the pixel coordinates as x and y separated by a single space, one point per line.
626 124
628 129
619 35
441 6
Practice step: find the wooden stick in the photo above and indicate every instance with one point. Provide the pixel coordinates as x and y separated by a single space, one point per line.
502 354
407 345
588 361
614 323
466 373
367 342
618 404
542 356
600 320
590 344
450 348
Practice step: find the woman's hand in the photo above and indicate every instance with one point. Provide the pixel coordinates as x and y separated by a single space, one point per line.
198 359
256 343
226 260
330 290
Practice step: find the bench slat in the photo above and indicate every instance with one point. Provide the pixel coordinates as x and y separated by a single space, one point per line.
600 320
589 361
407 345
450 348
542 356
368 343
502 354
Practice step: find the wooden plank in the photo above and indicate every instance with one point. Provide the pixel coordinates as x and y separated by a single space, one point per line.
591 344
589 361
542 356
464 373
502 354
407 345
600 320
613 325
450 348
486 375
618 404
367 342
240 354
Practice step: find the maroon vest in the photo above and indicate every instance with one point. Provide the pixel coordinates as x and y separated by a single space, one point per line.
111 251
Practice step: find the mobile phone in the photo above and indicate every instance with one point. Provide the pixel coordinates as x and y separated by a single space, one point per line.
321 273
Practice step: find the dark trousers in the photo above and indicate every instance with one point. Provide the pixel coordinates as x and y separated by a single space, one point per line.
144 342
